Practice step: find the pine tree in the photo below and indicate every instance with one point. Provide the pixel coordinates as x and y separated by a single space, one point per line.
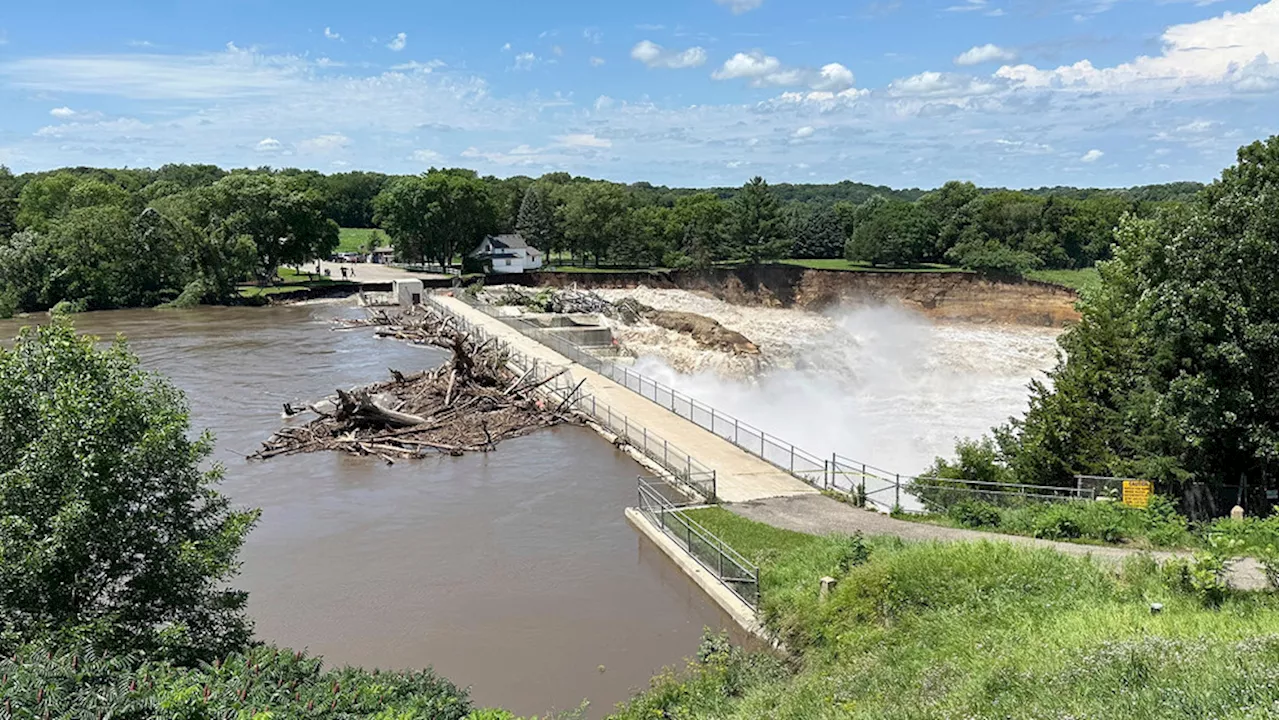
536 221
757 230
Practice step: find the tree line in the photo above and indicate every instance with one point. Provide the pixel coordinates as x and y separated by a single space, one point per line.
1171 374
107 238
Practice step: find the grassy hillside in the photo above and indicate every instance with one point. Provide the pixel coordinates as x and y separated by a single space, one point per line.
356 239
1082 280
985 630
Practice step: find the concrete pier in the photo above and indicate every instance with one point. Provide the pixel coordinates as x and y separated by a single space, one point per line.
740 476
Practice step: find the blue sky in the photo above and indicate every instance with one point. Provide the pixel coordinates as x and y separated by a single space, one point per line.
702 92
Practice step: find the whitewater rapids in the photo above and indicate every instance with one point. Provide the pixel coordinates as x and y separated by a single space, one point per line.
880 385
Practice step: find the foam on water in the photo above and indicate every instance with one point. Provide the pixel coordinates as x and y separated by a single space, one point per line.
879 384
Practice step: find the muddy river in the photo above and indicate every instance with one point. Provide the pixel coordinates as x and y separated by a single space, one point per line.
513 572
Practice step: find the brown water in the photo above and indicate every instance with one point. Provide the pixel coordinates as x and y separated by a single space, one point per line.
513 572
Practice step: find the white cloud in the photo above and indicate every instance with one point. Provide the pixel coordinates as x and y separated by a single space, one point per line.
804 132
596 61
62 112
1092 156
592 35
557 51
1196 126
583 140
506 47
763 70
329 33
655 56
603 102
235 73
740 6
268 144
968 6
525 61
326 143
398 42
936 84
415 66
979 54
1235 48
426 156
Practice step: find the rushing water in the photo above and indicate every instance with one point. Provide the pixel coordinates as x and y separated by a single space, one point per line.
881 385
512 571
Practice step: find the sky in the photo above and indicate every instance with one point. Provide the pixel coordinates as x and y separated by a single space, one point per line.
1013 93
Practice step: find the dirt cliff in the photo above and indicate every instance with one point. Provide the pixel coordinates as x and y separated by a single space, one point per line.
963 297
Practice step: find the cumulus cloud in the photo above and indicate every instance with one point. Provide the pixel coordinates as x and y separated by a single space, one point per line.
804 132
62 112
936 84
1092 156
426 156
268 144
1235 48
761 70
655 56
329 33
979 54
740 6
326 143
398 42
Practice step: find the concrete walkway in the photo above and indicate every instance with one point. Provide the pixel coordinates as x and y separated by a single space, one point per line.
740 476
821 515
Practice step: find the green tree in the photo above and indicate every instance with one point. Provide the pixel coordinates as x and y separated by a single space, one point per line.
283 220
593 218
110 531
436 215
536 221
892 232
756 231
1171 374
9 189
701 224
821 235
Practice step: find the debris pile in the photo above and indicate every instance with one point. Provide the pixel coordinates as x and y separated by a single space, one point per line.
468 404
548 300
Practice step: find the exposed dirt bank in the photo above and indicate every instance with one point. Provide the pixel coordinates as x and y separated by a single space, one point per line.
956 296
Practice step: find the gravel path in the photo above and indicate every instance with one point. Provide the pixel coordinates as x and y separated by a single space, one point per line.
821 515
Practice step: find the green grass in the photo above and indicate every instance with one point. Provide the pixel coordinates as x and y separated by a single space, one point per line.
975 630
290 281
1082 280
859 266
356 239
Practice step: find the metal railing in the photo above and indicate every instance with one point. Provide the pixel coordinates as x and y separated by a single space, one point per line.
696 477
735 572
865 483
774 450
937 494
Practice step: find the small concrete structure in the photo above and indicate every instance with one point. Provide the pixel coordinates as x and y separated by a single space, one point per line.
1237 513
382 255
824 589
407 291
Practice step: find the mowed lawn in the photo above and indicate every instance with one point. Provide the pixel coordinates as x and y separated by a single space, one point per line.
357 239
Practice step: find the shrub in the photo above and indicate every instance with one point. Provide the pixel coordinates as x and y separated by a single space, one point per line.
1056 523
67 307
975 514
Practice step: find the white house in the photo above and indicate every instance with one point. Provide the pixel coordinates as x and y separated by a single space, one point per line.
508 254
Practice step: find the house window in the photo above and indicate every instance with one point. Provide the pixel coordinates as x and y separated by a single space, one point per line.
508 261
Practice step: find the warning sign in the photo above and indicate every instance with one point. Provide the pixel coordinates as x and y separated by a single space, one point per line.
1137 493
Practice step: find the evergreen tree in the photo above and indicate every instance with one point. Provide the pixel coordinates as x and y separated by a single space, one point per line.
821 236
536 221
757 231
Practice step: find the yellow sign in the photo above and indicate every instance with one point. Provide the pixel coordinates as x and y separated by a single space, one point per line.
1137 493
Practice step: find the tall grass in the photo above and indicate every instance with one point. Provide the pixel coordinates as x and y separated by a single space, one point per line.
981 630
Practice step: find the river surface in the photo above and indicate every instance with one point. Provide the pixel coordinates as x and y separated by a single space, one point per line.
513 572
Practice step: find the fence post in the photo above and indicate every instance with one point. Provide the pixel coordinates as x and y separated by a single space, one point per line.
761 444
793 458
826 480
626 428
897 490
664 452
645 435
735 431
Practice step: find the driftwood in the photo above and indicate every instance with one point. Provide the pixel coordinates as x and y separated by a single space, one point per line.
468 404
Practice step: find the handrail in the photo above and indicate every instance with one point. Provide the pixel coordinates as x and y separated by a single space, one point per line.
681 465
745 583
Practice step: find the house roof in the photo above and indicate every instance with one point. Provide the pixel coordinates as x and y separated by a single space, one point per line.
511 241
